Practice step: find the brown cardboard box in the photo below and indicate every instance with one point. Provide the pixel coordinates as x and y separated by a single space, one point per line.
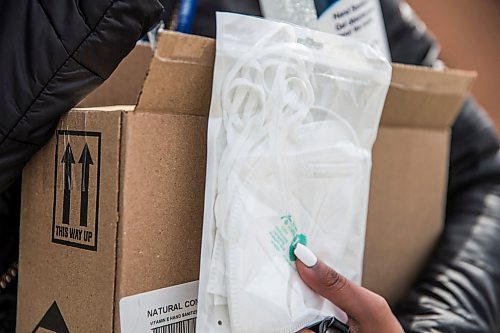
113 204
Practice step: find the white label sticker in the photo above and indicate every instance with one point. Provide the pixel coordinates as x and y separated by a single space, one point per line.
171 310
361 19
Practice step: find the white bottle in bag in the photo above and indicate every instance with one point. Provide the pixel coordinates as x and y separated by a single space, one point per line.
361 19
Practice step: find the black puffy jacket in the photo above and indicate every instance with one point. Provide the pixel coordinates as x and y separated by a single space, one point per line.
460 288
51 55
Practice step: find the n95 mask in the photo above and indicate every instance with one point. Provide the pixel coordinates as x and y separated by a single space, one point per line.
293 118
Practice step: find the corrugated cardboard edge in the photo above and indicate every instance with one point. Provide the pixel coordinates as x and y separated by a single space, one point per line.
443 81
116 310
123 108
442 93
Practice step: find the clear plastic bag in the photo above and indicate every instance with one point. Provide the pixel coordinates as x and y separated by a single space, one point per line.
293 118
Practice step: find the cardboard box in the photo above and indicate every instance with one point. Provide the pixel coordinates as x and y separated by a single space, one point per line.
112 206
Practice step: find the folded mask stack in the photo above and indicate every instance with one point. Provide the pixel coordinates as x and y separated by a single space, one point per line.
293 118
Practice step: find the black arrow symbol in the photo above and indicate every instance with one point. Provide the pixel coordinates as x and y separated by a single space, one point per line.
68 161
85 160
52 321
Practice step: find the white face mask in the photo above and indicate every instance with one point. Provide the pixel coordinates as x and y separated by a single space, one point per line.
293 118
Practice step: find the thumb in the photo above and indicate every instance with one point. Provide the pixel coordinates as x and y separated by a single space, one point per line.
355 300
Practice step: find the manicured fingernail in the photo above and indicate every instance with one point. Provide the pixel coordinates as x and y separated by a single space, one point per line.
305 255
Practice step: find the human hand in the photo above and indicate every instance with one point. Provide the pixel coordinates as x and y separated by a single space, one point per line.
366 310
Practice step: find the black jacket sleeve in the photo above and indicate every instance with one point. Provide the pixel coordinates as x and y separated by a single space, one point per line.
459 290
52 55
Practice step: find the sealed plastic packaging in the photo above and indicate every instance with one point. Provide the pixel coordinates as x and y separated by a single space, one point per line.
293 118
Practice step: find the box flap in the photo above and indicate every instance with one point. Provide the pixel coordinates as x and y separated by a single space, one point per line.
124 85
425 97
182 68
180 75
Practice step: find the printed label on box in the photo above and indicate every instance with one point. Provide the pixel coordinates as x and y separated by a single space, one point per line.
171 310
76 189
